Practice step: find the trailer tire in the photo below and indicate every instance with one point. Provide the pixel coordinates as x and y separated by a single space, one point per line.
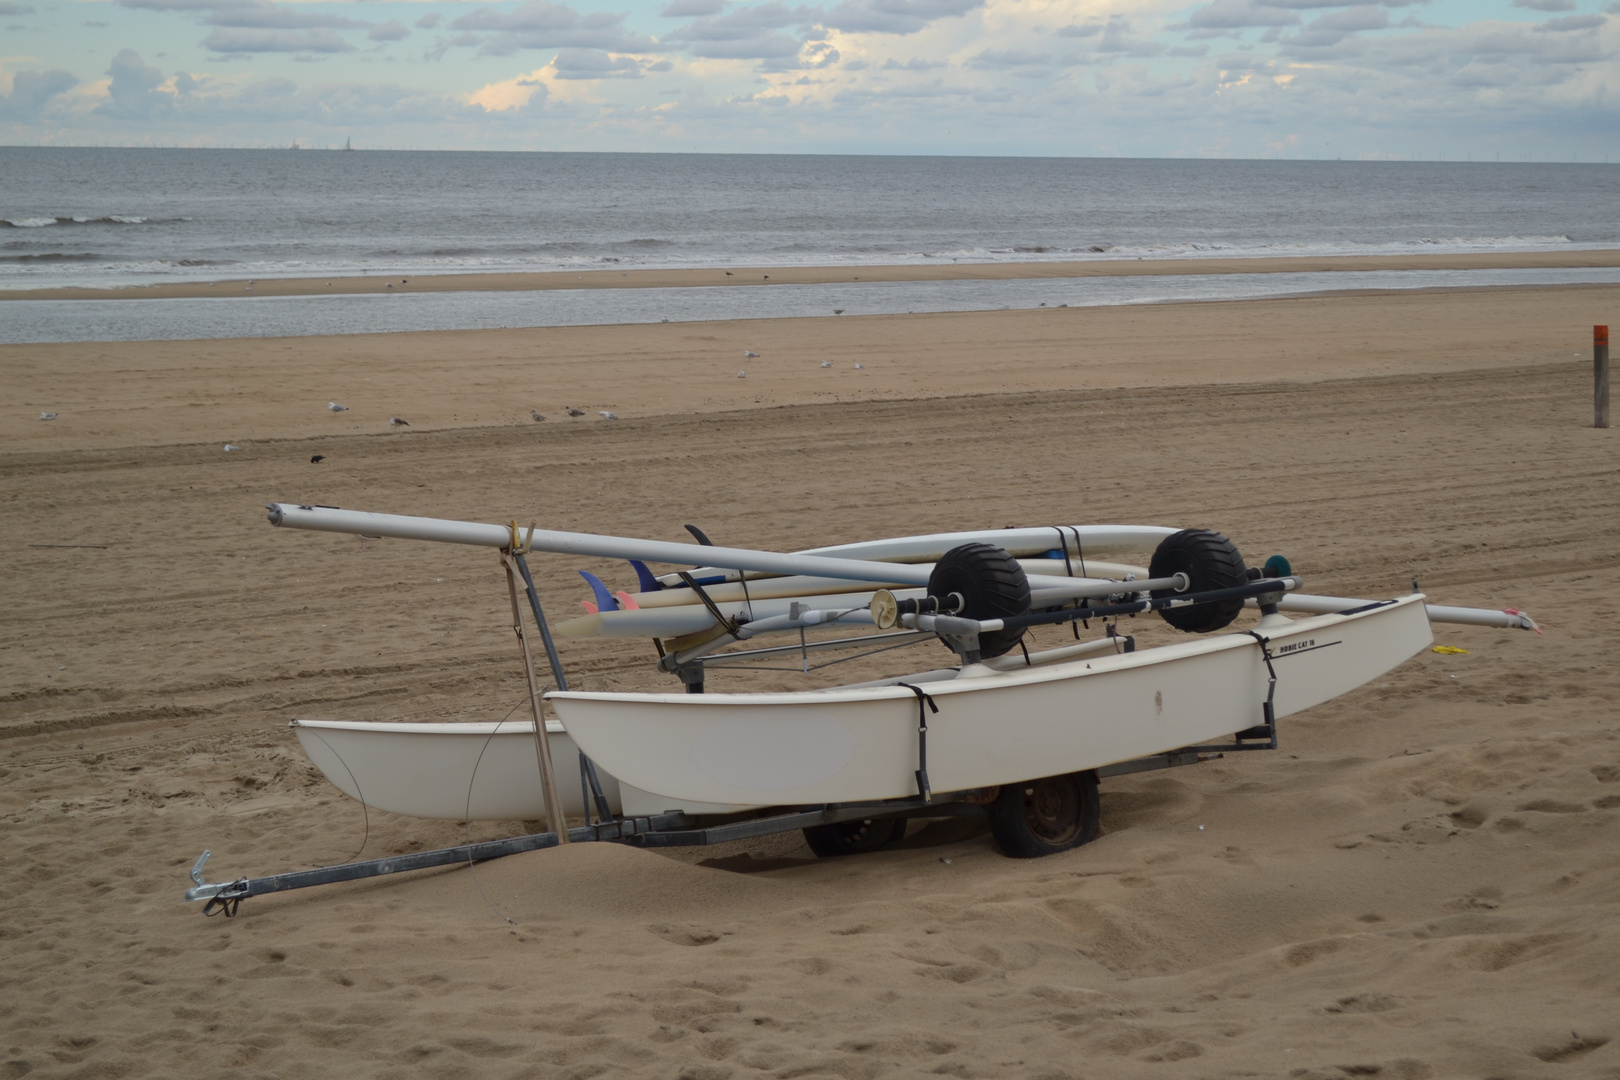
994 585
1045 816
1210 561
853 837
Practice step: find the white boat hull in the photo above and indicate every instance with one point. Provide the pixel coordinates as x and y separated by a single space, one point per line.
456 772
858 744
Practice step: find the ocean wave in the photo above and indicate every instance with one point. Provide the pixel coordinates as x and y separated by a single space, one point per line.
74 219
51 257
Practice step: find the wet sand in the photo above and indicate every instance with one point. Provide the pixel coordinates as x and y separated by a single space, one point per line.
1422 882
820 275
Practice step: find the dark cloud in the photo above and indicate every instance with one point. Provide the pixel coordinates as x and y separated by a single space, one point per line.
1078 30
133 93
267 16
1240 15
541 25
429 21
1546 5
916 63
594 64
392 30
1001 59
31 91
254 40
1573 22
1329 30
7 7
693 9
750 33
1121 38
895 16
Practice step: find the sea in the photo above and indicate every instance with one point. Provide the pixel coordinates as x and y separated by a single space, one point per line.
124 216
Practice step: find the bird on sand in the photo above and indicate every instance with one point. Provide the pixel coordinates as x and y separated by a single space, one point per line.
229 447
826 363
317 459
604 414
47 416
838 311
535 415
335 407
751 354
860 367
575 412
398 421
742 374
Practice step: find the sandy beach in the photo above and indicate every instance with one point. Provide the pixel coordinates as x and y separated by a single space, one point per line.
1422 882
821 275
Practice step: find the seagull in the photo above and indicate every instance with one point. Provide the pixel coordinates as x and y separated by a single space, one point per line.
335 407
390 284
398 421
604 414
751 354
317 459
47 416
728 273
575 412
742 374
860 367
838 311
229 447
535 414
826 363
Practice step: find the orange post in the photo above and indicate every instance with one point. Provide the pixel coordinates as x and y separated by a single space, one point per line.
1600 376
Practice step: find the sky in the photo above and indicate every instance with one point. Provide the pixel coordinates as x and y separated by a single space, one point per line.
1512 80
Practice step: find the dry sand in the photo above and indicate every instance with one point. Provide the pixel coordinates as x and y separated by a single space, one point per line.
1423 882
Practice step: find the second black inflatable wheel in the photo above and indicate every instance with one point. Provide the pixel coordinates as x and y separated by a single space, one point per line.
993 584
1045 816
1210 561
854 837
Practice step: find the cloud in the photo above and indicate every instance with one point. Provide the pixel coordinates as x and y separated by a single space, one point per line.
7 7
31 91
133 92
429 21
1241 15
594 64
1328 30
1573 22
254 40
266 16
542 25
693 9
895 16
1546 5
749 33
916 63
392 30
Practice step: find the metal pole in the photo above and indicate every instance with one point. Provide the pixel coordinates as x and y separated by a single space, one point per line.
542 744
587 767
1600 376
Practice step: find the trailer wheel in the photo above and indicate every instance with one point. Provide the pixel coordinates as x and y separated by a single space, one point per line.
1210 561
994 585
1045 816
853 837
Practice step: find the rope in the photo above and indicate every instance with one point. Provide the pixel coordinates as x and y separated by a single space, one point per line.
922 739
1268 710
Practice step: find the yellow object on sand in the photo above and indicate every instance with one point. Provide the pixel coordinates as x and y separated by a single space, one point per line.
1448 649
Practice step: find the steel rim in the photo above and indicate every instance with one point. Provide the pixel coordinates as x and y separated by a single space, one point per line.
1052 810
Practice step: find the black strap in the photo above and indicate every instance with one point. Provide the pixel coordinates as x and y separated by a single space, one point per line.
922 739
1268 710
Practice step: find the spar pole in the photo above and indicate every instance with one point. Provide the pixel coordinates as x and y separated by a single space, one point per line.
542 743
1600 376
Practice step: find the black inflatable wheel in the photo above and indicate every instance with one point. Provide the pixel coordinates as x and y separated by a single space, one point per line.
1046 816
853 837
993 584
1210 561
